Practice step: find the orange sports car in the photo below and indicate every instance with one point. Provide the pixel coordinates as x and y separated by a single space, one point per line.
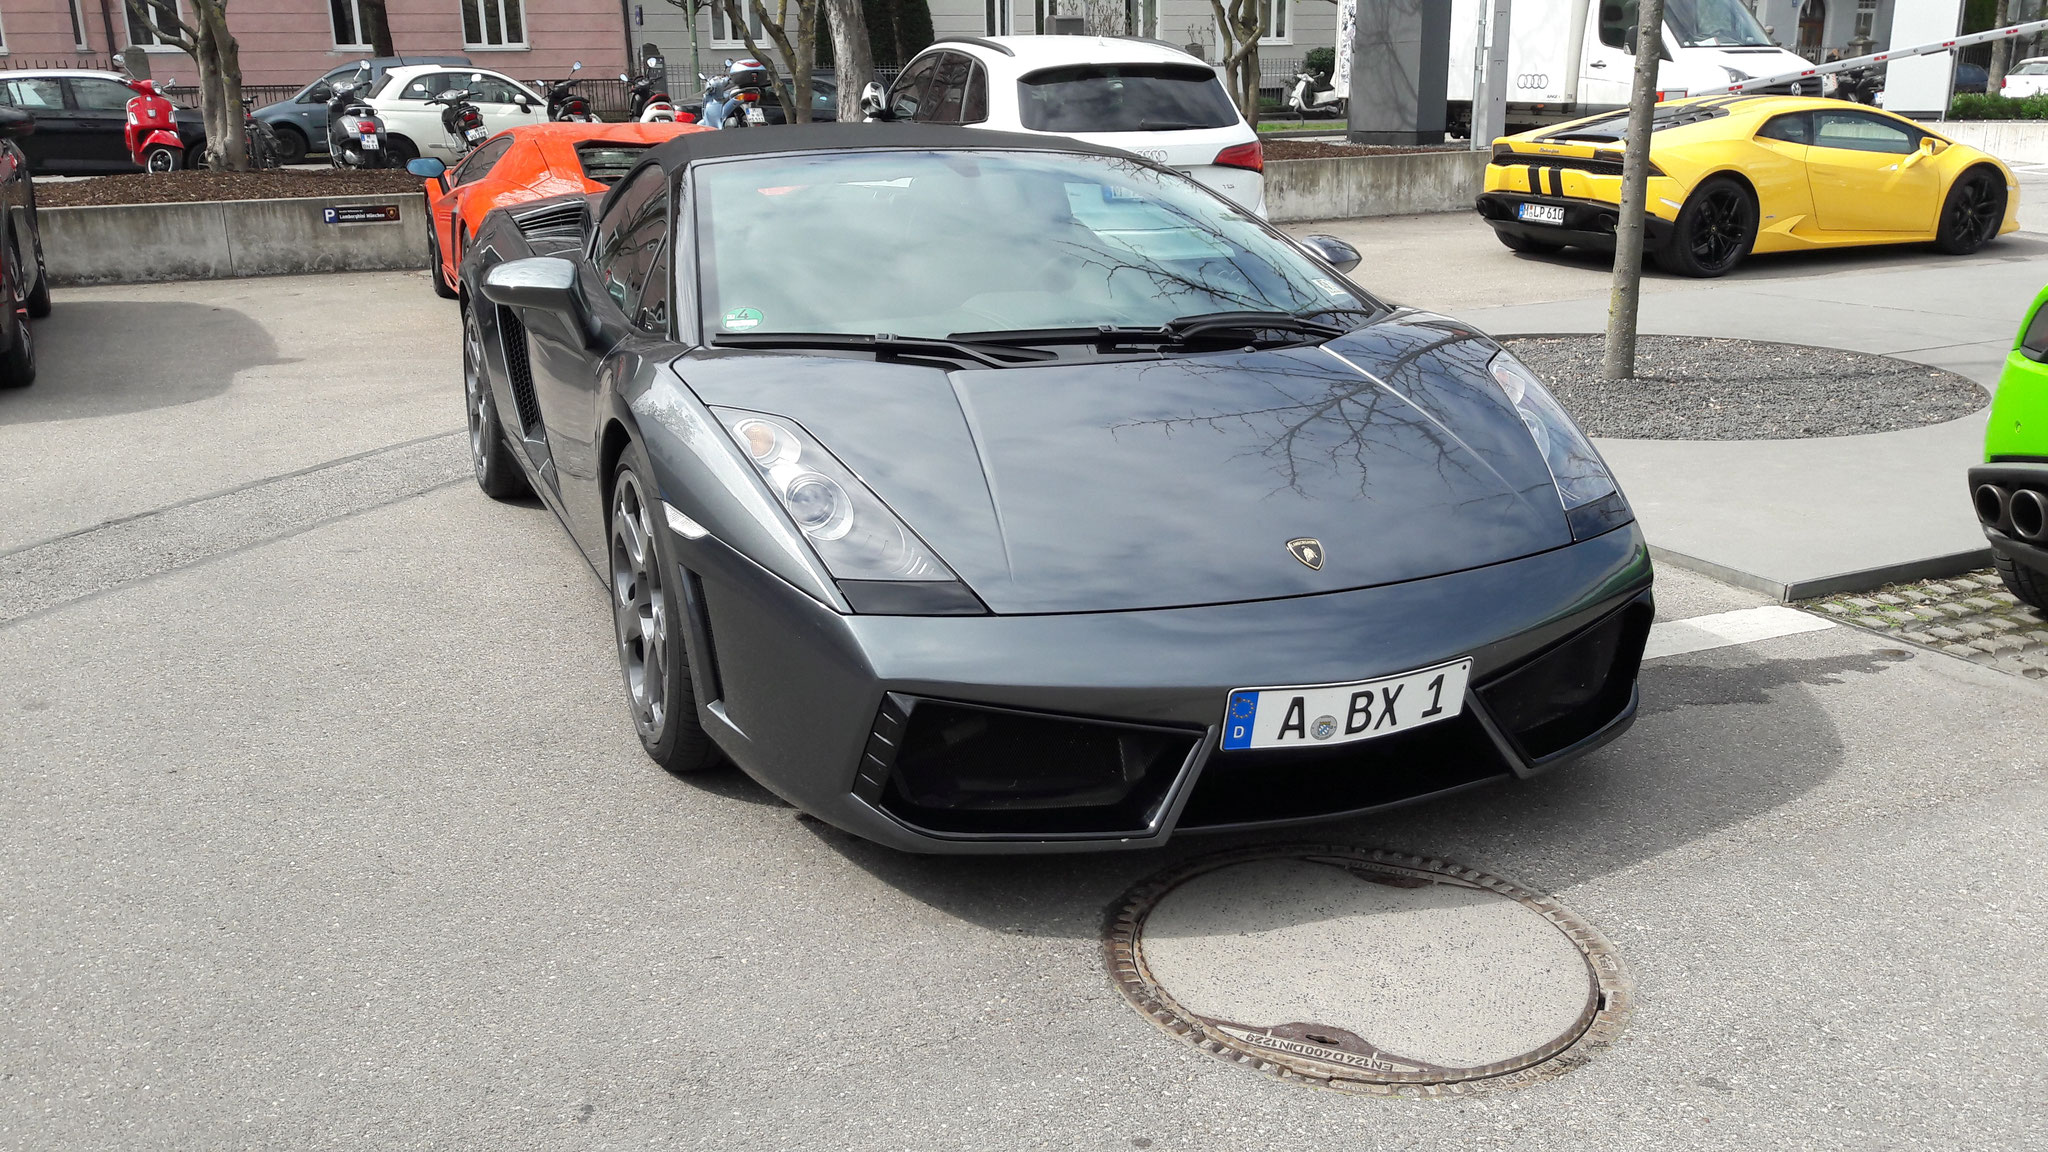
529 162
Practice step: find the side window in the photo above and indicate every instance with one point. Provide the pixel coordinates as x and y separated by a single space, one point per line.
2034 341
948 91
491 89
974 109
93 94
36 93
431 84
482 160
1618 24
650 236
907 96
1862 132
621 253
1794 128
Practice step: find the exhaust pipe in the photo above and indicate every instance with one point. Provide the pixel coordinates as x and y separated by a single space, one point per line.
2029 515
1994 504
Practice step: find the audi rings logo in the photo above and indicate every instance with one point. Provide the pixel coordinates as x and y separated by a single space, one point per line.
1155 155
1533 80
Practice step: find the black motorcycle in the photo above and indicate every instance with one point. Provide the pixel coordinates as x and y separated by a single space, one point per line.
355 133
461 119
646 103
565 104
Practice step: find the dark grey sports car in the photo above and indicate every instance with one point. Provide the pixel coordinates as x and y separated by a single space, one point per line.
979 492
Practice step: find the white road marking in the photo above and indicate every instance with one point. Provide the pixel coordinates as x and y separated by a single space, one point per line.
1722 629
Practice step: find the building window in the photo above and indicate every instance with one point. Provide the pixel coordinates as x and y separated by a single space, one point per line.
1142 16
722 34
1866 17
139 32
493 23
1001 19
78 39
1276 22
347 18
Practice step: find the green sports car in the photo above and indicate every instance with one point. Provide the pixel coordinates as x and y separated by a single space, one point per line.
2011 486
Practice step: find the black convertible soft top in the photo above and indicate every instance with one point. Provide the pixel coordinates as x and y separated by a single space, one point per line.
837 137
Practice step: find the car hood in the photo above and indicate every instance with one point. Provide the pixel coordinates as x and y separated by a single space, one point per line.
1113 485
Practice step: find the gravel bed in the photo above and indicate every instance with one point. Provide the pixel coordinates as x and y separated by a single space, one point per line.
1289 148
1697 388
198 184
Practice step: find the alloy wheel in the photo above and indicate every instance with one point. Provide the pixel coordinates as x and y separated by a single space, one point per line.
1721 228
1976 211
639 605
476 396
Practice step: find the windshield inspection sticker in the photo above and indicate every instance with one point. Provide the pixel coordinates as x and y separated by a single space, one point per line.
1331 290
741 319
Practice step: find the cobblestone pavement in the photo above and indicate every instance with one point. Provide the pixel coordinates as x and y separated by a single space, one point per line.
1971 616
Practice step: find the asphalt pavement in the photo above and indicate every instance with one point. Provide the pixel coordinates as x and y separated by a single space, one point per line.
326 827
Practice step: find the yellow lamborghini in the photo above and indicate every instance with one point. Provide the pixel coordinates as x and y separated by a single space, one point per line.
1731 175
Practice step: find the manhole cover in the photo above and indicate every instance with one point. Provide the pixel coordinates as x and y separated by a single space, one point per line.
1367 971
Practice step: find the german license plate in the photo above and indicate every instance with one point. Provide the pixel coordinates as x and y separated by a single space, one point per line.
476 133
1542 214
1344 713
756 116
369 140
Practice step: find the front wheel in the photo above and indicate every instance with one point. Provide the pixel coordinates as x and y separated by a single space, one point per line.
497 473
441 286
162 158
1972 213
647 614
291 146
18 363
1714 231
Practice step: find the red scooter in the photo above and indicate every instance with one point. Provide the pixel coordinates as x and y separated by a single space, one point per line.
152 132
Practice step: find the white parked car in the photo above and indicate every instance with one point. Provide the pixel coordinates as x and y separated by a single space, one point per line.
1138 95
2029 77
415 125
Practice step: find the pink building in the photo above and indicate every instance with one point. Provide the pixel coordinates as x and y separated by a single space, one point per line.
296 41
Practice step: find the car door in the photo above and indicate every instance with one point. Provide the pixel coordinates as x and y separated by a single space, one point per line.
566 356
55 143
1868 175
1778 170
101 106
907 94
504 102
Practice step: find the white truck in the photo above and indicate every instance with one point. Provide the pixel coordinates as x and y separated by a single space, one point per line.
1568 58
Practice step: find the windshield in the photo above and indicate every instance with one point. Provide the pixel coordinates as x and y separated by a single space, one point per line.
929 244
2032 68
1714 24
1124 98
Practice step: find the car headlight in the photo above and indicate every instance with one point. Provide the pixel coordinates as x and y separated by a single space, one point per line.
853 532
1576 469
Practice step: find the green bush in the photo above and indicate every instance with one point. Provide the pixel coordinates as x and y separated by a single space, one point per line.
1320 62
1983 106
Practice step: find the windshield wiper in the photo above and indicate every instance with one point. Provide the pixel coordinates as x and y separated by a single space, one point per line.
1205 327
1225 324
883 344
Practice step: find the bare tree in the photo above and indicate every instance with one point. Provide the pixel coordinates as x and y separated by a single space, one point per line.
2001 51
794 29
852 55
376 30
1099 17
212 47
1240 23
1619 362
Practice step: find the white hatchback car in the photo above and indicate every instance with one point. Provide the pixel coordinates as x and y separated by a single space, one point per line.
415 125
2029 77
1138 95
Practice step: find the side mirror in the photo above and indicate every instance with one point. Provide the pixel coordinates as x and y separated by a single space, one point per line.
575 66
874 101
1332 251
623 80
319 93
425 167
544 282
519 98
14 124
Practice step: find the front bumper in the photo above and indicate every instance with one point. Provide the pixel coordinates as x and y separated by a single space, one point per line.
1587 223
1093 731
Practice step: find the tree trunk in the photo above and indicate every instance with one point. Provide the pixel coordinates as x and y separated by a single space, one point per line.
376 30
2001 52
852 56
1619 361
220 87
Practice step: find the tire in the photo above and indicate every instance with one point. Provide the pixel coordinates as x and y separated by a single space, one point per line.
400 152
38 300
497 471
441 286
292 146
1971 214
18 363
1715 230
647 618
2029 584
162 158
262 146
1525 244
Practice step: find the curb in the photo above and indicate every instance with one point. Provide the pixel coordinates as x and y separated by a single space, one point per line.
219 239
1859 580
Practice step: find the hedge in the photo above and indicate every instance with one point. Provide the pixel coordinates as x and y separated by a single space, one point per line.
1977 106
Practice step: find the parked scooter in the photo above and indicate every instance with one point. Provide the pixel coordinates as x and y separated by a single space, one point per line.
646 103
1314 94
734 99
355 133
461 119
151 133
564 104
